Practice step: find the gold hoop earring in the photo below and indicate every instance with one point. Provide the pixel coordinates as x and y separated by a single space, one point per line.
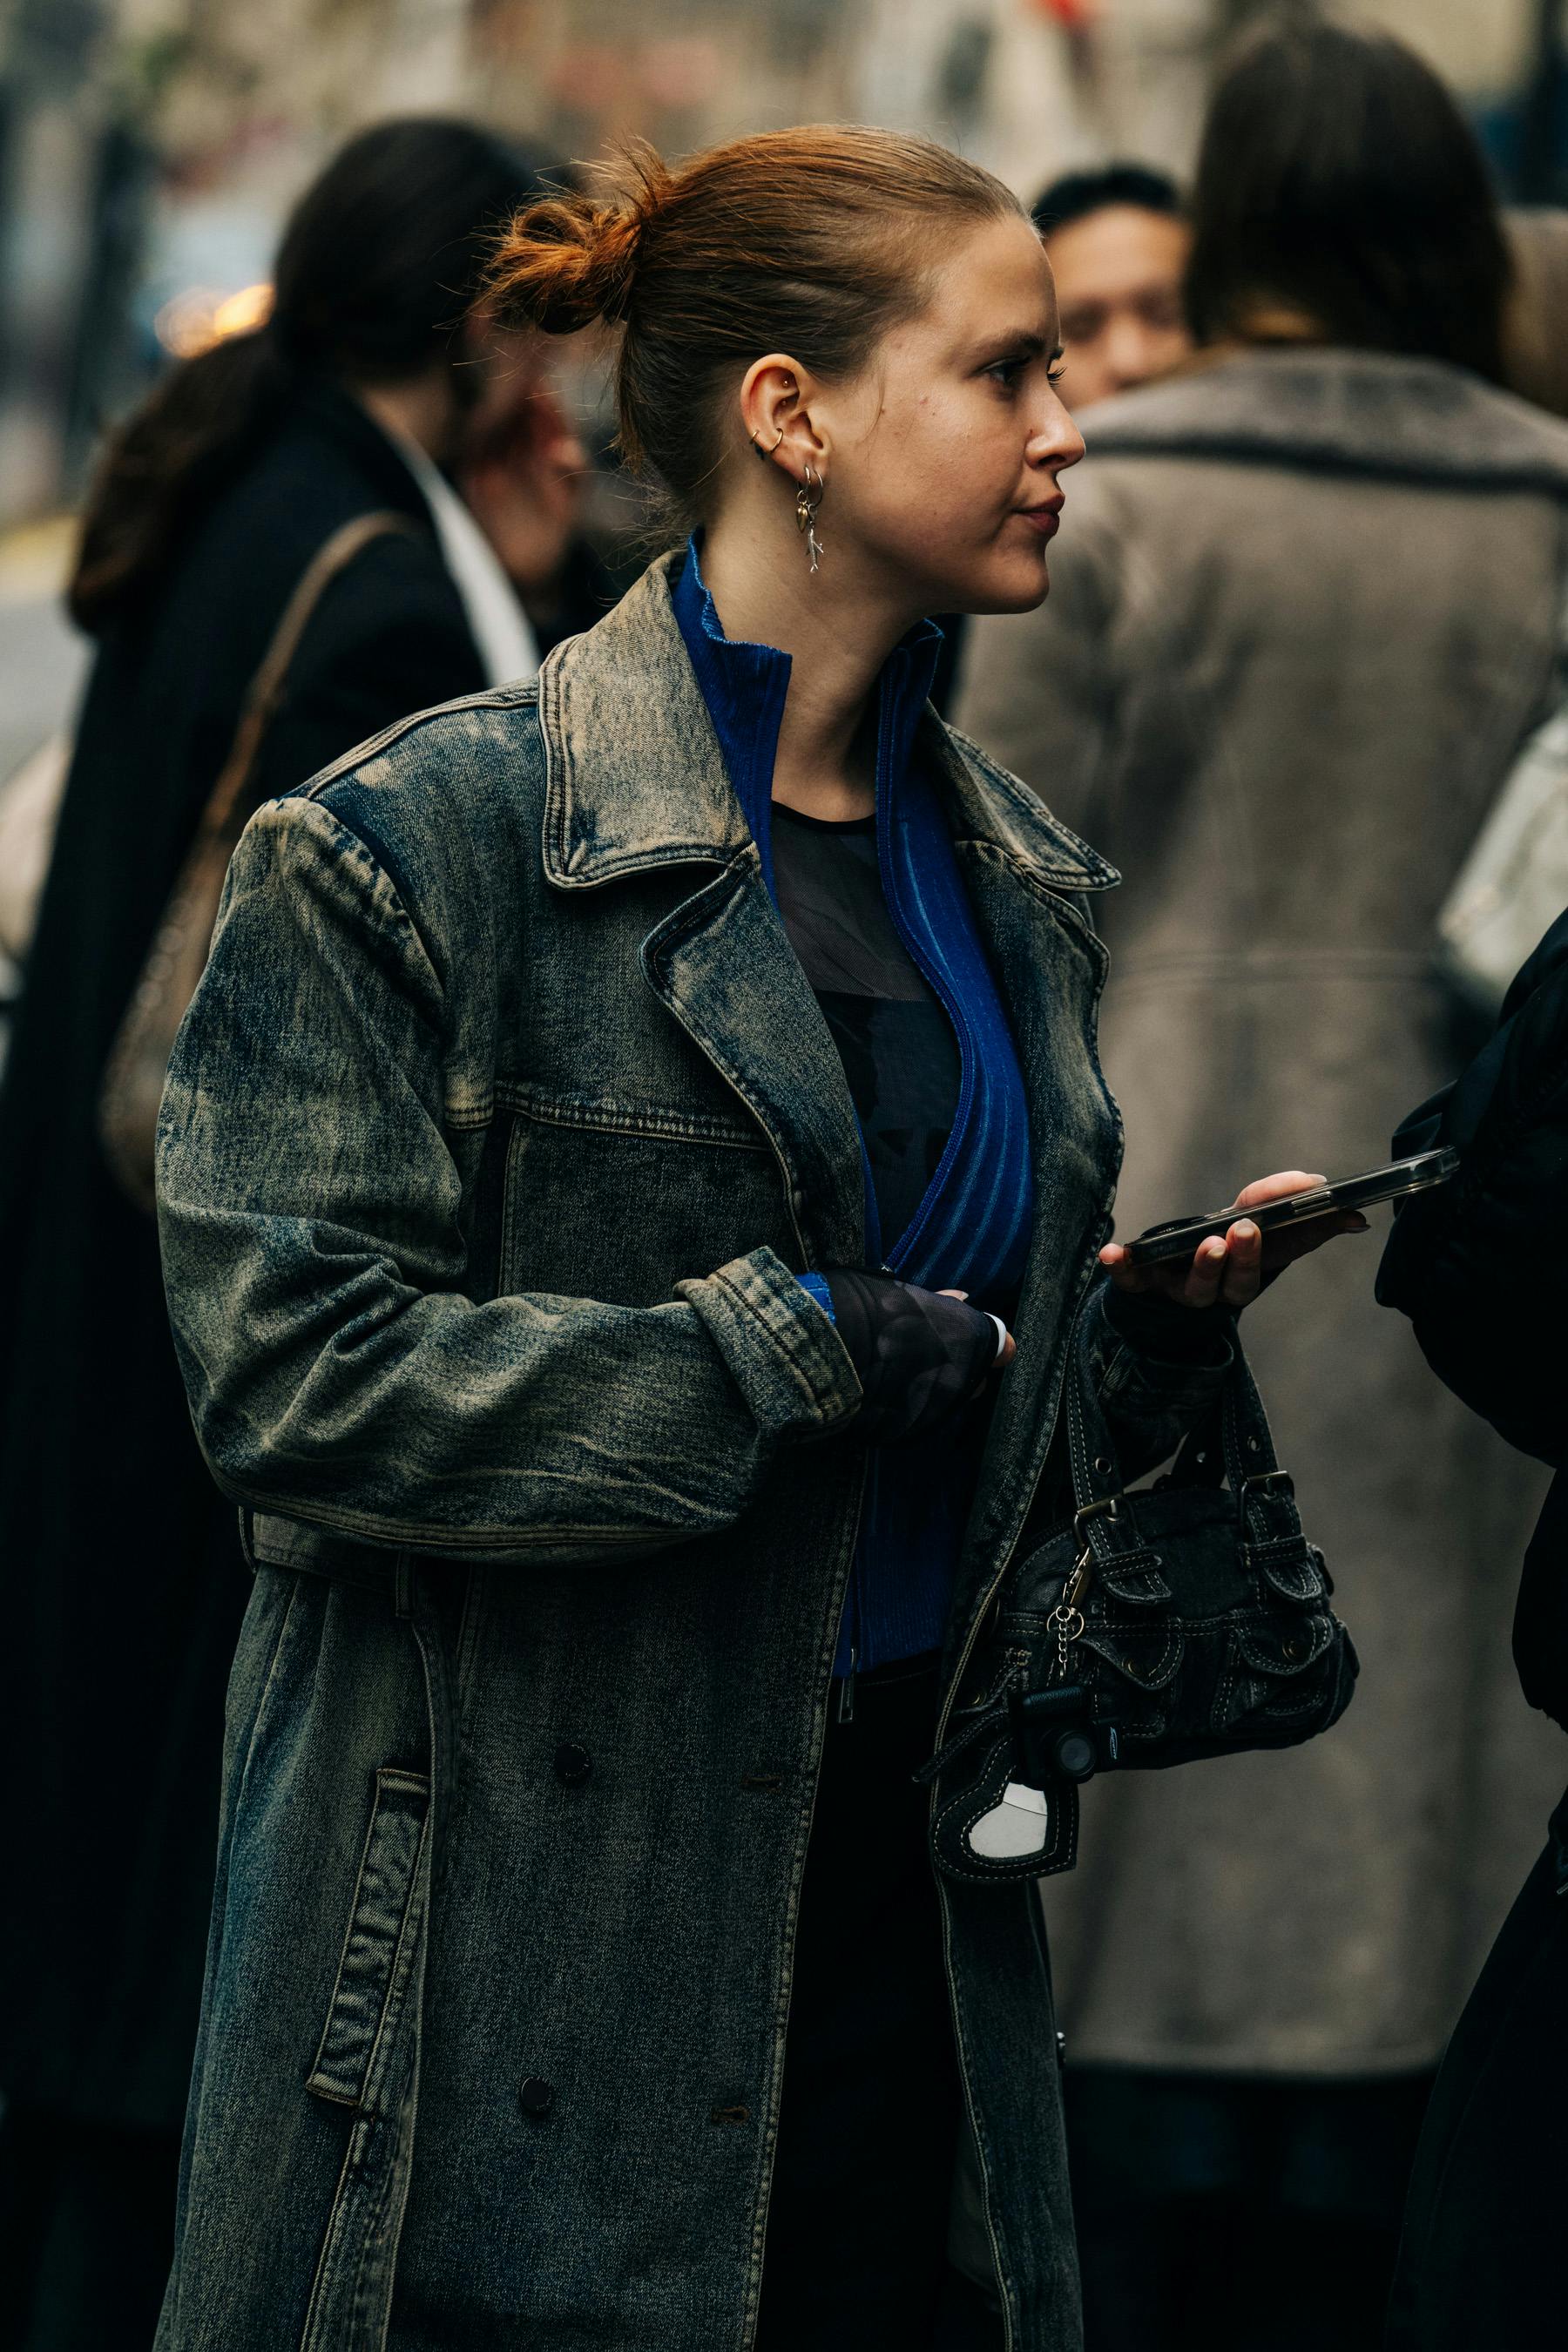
807 499
758 447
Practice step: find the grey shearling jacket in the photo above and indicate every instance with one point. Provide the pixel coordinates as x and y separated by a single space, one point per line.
500 1128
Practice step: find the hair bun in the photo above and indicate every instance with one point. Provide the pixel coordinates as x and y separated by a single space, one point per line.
567 259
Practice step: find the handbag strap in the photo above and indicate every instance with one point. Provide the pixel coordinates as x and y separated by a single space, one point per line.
1233 1442
224 815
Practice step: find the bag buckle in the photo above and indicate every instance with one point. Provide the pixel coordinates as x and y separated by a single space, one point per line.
1107 1507
1276 1481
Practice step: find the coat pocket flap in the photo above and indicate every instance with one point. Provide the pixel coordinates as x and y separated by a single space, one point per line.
1287 1646
380 1944
1148 1657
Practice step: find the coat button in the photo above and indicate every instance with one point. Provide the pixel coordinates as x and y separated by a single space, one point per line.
573 1764
536 2098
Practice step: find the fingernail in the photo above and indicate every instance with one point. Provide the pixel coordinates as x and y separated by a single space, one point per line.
1246 1231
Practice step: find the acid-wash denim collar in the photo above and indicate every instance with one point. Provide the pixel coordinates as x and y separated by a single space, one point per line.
745 687
636 778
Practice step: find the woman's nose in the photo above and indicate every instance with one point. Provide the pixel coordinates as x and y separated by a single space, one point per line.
1056 441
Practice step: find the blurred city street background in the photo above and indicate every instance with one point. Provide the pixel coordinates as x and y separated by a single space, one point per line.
150 148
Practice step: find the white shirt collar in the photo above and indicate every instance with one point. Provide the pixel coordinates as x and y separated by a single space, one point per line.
508 648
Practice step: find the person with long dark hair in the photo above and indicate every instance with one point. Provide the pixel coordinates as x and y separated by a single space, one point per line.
599 1100
123 1582
1479 2261
1310 614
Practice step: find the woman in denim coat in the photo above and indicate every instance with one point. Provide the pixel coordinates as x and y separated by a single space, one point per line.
558 1169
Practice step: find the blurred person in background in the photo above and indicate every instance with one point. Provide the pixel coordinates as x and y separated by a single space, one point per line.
1306 614
1480 2263
123 1581
1118 245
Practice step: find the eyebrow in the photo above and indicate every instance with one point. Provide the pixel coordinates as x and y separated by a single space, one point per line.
1024 341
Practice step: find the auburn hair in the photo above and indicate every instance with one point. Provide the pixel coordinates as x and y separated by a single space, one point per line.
812 241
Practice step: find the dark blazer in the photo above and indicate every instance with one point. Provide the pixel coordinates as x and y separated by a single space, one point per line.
1480 1270
121 1577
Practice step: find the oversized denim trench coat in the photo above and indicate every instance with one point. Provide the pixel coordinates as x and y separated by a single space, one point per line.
497 1133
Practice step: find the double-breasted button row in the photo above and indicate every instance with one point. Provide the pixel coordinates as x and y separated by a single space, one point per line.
573 1764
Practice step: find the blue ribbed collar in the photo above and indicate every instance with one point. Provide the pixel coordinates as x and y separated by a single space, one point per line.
746 686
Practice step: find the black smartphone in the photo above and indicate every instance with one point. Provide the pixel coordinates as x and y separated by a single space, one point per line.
1180 1237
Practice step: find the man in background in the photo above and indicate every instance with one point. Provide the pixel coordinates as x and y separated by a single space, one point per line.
1117 242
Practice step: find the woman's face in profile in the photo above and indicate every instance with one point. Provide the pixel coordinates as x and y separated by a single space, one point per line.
947 450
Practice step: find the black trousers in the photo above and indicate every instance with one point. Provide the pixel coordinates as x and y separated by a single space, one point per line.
1481 2261
1228 2214
87 2231
868 2125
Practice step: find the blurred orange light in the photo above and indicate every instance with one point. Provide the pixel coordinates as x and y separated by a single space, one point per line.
239 313
192 321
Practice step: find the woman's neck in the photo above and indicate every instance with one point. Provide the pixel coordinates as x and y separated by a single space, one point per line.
837 640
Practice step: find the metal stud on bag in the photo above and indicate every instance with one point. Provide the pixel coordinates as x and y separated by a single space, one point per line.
807 499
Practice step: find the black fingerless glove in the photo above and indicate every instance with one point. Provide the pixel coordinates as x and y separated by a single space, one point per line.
920 1359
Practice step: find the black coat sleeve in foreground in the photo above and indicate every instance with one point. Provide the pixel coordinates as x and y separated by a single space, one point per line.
1480 1266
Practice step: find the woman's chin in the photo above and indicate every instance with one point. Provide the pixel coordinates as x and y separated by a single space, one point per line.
1013 587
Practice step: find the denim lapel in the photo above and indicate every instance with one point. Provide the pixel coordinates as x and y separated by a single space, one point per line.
637 782
722 963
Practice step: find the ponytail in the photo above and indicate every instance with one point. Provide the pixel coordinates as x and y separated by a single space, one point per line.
379 257
166 463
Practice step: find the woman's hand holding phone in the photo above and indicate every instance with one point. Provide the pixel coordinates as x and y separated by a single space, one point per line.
1231 1272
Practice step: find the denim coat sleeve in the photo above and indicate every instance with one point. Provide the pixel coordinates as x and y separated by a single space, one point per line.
311 1213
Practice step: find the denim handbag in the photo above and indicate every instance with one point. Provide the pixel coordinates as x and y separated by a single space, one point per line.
1156 1626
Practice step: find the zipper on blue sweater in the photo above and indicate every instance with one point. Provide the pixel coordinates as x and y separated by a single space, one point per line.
846 1690
905 1245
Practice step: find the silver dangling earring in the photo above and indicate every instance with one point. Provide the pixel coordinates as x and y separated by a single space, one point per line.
807 498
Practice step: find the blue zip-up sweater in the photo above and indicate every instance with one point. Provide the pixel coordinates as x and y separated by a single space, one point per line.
972 1229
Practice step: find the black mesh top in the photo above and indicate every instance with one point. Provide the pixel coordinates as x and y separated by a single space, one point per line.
896 1043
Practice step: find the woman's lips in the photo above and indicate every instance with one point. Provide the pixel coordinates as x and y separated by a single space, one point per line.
1042 518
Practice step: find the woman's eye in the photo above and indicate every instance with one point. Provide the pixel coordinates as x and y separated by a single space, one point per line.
1055 375
1007 373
